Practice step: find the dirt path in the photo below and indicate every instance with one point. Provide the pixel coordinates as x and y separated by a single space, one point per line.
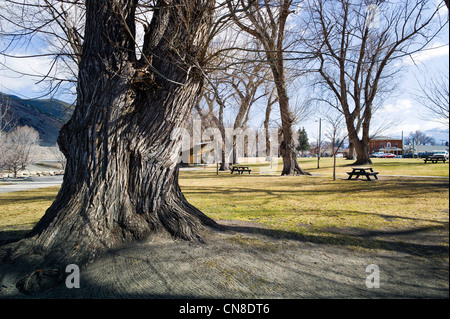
248 261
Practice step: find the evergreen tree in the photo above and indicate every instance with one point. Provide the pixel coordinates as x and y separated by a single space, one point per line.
303 143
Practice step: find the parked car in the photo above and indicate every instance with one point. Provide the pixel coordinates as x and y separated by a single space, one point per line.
425 154
407 155
440 154
388 155
377 154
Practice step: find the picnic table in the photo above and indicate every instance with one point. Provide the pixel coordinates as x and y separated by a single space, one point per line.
362 171
434 159
240 169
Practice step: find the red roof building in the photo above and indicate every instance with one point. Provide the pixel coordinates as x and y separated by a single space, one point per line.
386 144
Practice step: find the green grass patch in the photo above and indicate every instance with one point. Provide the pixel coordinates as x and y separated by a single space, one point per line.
310 207
20 211
385 166
306 204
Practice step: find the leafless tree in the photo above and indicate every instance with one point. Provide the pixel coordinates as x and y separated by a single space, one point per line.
266 22
60 157
6 124
357 44
234 85
6 120
336 133
215 118
58 25
16 150
419 138
434 95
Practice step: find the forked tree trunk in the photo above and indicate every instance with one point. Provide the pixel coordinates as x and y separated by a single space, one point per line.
121 180
361 145
362 153
287 146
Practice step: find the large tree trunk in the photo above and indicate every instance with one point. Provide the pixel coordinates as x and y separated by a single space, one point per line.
362 153
361 145
351 151
287 147
121 180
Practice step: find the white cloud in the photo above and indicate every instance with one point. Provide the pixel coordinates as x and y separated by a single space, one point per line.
22 74
410 125
435 51
402 106
406 117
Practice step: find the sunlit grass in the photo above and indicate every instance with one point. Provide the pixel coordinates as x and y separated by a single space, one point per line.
307 204
320 209
385 166
302 205
20 211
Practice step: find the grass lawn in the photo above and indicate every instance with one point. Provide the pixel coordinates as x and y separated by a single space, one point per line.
316 207
385 166
20 211
319 208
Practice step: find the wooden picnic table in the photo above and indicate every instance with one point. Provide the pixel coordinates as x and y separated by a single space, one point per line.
362 171
434 159
240 169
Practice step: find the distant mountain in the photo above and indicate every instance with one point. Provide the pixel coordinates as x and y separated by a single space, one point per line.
440 135
45 116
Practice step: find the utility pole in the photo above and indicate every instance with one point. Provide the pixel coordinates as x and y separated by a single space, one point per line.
403 150
318 147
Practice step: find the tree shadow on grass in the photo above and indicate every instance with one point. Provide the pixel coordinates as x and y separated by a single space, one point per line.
389 188
12 199
391 240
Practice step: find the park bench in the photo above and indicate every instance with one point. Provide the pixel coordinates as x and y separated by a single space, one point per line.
362 171
240 169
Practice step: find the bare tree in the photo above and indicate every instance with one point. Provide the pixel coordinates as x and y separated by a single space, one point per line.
434 95
60 157
6 124
266 21
215 118
234 84
356 44
336 133
6 120
419 138
16 150
59 24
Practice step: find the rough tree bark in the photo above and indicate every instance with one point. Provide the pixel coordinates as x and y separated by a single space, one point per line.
121 180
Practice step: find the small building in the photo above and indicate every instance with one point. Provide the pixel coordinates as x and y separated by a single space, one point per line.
196 155
386 144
